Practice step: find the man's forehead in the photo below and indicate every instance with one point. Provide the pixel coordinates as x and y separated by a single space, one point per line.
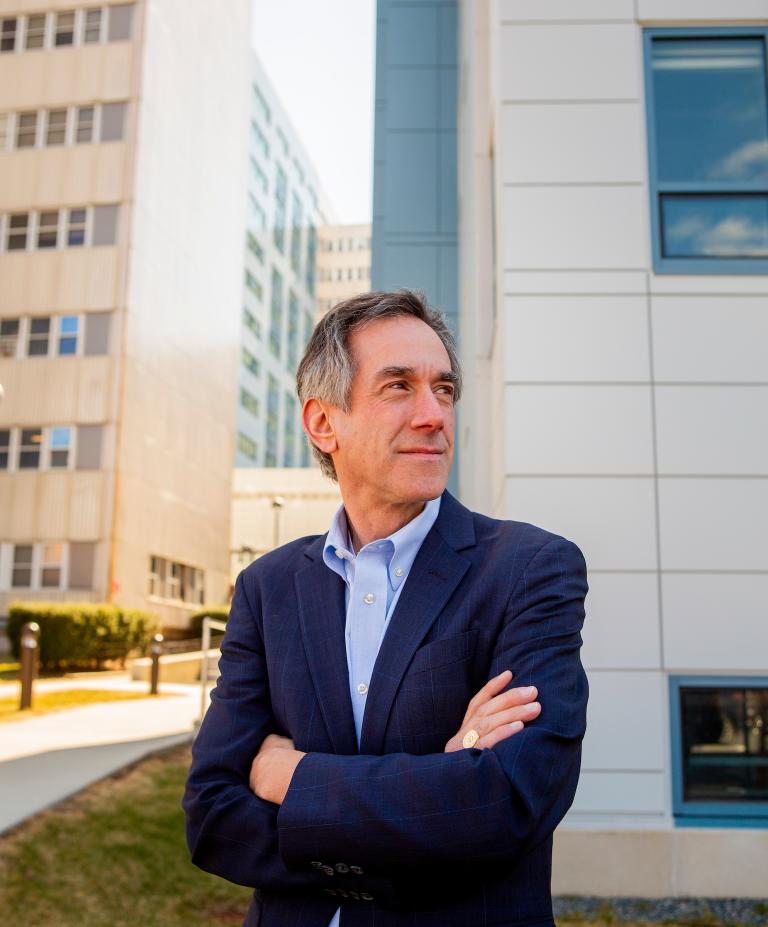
398 341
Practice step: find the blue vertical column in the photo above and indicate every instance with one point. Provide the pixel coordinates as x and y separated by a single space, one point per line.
415 187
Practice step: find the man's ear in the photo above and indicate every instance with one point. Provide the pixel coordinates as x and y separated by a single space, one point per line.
317 423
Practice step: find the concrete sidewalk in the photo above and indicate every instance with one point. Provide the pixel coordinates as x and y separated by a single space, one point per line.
47 758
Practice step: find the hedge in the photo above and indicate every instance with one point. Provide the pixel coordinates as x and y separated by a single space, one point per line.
81 634
217 612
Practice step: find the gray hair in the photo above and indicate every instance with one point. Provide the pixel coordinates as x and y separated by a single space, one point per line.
327 367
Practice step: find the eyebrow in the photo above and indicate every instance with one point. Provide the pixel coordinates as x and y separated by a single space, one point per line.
395 371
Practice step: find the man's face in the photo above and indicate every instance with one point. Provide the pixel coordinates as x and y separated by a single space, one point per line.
397 439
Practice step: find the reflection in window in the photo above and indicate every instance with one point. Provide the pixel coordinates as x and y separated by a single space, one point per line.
92 30
9 337
21 577
68 330
56 129
18 225
84 131
35 31
50 573
710 151
725 744
61 442
76 228
48 229
65 29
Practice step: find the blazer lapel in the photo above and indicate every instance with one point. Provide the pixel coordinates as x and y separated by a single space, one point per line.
320 594
436 572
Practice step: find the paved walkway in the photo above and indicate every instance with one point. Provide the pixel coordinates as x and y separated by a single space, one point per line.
45 759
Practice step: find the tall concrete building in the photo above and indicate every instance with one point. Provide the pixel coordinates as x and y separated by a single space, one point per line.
285 206
343 264
614 321
122 166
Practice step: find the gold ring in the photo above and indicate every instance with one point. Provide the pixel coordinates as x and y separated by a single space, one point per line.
470 738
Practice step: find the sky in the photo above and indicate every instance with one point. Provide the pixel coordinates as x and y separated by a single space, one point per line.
320 58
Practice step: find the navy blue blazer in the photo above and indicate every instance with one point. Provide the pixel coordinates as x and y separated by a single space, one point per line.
397 832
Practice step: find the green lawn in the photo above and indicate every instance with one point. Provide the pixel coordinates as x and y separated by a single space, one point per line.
115 855
43 702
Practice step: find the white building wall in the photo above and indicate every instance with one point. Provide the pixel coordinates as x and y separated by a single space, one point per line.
625 405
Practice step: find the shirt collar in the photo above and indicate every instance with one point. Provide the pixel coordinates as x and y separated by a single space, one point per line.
401 546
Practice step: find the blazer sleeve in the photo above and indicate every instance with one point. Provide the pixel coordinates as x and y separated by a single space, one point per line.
470 806
230 831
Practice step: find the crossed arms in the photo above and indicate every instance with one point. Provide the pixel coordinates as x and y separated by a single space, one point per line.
397 810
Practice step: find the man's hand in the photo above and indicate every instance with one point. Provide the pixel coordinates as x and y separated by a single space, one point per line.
273 767
496 717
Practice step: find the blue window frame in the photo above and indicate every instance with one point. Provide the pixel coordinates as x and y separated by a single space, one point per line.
707 112
719 736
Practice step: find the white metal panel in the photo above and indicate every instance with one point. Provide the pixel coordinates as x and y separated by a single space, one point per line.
622 623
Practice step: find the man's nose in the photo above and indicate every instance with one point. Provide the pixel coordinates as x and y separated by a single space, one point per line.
428 412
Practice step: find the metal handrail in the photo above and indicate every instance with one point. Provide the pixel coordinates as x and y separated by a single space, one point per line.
208 624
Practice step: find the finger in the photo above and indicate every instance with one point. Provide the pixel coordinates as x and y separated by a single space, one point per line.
524 713
500 733
509 699
489 690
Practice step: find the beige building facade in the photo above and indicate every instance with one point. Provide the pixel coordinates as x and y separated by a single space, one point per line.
121 227
343 264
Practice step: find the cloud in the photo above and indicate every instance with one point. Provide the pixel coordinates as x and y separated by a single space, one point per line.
750 162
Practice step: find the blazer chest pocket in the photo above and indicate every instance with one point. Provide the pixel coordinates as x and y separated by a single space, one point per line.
443 652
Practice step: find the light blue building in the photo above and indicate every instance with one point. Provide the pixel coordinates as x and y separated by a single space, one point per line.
285 207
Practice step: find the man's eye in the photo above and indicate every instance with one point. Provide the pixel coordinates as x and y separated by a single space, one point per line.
399 383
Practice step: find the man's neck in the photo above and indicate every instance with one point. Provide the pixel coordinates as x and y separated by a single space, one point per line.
372 523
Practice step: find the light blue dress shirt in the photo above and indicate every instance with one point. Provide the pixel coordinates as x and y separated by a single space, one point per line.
374 578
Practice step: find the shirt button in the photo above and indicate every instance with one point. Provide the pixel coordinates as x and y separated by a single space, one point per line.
362 688
369 598
398 572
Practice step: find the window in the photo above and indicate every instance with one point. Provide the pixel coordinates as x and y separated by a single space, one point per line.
48 229
112 121
249 402
278 232
89 441
50 572
246 446
82 556
120 22
3 130
76 228
26 130
9 337
292 341
289 430
68 333
311 257
97 326
296 235
35 37
708 136
65 29
92 26
259 140
39 336
8 35
254 247
250 362
276 316
29 448
56 127
261 104
253 285
309 324
21 577
104 225
84 131
258 175
60 443
5 447
720 748
273 401
251 323
156 576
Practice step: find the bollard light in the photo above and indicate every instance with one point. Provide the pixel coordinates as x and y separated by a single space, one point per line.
30 658
155 649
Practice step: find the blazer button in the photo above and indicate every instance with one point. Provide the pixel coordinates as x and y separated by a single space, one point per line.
328 870
341 867
356 870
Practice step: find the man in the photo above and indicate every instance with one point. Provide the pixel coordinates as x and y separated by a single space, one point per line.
364 760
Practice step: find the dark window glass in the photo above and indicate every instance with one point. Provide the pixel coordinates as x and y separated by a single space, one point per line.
276 314
5 444
65 29
76 228
8 35
22 565
725 744
35 31
26 130
47 229
18 226
29 449
56 130
39 335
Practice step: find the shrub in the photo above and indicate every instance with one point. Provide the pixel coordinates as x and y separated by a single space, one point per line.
75 634
217 612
